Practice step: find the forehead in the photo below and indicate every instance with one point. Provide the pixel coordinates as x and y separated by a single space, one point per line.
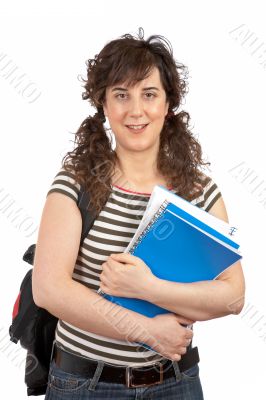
153 79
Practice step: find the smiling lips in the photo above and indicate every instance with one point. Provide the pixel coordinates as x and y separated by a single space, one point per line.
137 128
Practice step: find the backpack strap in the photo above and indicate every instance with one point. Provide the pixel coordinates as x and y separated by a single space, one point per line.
88 216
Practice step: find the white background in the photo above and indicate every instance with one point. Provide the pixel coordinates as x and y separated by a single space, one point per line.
50 42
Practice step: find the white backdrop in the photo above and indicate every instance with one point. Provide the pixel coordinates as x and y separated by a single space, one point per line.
223 46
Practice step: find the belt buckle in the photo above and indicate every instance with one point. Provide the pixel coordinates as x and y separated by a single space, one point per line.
129 382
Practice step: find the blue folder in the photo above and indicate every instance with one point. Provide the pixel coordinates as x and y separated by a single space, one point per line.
179 247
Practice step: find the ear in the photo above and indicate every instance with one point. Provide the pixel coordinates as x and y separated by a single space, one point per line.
105 110
166 108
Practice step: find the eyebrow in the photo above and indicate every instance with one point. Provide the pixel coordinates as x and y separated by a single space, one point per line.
125 90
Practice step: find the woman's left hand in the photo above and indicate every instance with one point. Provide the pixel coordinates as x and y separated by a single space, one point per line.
125 275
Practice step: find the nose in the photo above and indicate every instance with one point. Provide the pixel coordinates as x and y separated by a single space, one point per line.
136 109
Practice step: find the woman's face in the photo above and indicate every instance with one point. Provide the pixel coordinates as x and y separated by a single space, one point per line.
136 114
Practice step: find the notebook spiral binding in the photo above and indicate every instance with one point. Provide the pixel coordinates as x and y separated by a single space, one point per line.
159 212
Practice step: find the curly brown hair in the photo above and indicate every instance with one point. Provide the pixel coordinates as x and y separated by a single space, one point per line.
130 59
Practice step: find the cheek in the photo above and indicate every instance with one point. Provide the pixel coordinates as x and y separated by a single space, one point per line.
157 111
115 114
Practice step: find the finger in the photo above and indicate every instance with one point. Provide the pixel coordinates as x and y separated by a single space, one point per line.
105 287
185 321
102 287
176 357
182 350
104 280
107 267
124 257
111 263
189 334
104 265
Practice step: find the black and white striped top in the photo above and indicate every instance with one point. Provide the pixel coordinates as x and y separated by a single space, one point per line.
110 233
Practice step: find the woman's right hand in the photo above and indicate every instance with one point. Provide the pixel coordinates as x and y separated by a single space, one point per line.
168 336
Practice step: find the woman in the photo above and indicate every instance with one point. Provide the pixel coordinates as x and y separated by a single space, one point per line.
138 86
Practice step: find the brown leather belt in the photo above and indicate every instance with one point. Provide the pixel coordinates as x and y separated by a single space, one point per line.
129 376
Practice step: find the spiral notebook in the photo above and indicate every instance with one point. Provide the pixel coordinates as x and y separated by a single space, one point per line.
160 194
180 244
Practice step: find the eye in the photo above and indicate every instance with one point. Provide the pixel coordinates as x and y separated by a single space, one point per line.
121 96
149 95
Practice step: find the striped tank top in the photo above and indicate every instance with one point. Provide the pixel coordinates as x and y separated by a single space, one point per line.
111 232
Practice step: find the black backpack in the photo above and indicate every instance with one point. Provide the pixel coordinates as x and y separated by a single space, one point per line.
34 326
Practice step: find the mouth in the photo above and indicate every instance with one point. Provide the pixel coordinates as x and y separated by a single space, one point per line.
137 128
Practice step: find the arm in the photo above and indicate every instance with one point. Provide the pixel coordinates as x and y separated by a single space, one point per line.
206 299
55 290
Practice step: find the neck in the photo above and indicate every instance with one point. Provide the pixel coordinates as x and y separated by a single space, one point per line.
136 170
137 166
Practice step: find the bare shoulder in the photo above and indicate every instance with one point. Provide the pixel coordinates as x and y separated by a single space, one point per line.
58 239
219 210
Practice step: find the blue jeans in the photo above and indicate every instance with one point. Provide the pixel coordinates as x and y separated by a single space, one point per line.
65 386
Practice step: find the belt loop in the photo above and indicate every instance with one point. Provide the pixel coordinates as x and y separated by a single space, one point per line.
96 375
177 370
